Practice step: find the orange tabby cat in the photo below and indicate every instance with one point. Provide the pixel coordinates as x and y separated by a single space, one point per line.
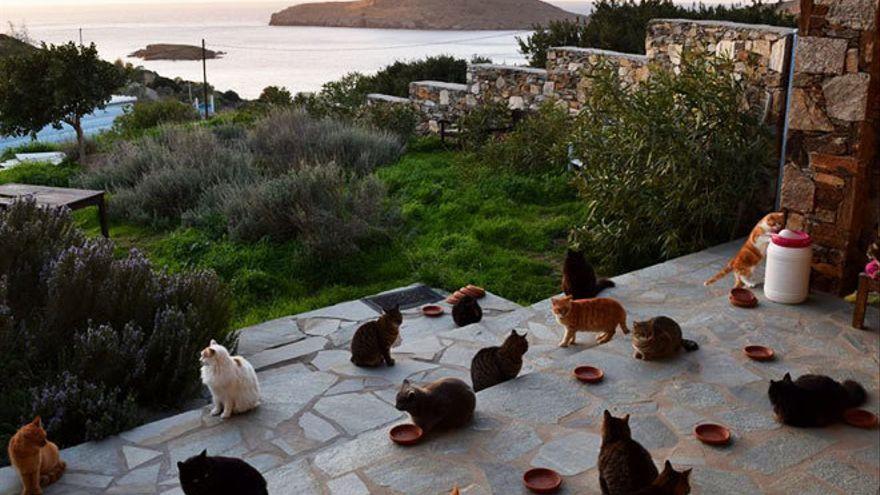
589 315
752 252
35 458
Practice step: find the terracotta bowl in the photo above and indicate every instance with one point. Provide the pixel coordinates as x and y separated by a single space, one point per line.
860 418
743 298
589 374
455 297
406 434
542 480
432 310
712 434
759 352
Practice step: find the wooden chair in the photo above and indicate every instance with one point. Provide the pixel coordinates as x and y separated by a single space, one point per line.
866 286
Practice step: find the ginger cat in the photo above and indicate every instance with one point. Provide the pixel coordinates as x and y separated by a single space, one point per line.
752 252
589 315
35 458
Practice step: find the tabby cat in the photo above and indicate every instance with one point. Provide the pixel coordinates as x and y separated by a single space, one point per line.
588 315
813 400
659 338
204 475
579 279
373 340
624 465
35 458
752 252
443 404
670 482
494 365
466 311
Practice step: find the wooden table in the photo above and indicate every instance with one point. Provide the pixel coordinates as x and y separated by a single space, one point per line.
57 197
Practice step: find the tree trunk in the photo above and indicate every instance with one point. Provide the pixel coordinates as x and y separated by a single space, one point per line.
80 138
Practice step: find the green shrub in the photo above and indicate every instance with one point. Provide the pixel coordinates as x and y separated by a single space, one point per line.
480 124
41 174
619 25
30 147
276 96
538 143
400 120
670 167
113 338
147 115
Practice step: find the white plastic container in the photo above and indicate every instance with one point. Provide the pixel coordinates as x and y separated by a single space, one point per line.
787 277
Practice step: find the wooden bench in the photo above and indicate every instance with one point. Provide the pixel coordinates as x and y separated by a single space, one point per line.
866 286
57 197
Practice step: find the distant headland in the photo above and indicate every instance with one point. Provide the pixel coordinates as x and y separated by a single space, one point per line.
425 14
168 51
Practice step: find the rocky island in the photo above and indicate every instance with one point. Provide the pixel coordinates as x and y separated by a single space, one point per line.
168 51
423 14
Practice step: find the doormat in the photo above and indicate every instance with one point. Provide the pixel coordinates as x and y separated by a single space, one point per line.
407 298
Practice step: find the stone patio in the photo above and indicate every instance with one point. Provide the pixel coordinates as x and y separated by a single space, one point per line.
322 427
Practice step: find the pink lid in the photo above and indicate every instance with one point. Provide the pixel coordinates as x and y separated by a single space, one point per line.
792 239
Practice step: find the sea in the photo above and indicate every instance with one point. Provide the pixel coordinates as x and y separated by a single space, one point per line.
256 54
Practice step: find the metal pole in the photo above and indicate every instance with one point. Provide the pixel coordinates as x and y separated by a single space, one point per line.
80 36
205 77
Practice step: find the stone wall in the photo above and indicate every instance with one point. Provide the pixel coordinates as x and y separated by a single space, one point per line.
436 101
566 66
759 52
521 88
832 170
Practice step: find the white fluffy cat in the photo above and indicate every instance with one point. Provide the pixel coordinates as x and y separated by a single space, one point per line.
231 379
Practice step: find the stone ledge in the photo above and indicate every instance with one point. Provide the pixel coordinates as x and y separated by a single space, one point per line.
783 31
507 68
600 52
441 85
378 97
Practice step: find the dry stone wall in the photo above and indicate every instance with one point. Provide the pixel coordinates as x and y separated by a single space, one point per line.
832 170
566 66
521 88
437 101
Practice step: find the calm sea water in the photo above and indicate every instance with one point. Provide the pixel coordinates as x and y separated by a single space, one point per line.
257 55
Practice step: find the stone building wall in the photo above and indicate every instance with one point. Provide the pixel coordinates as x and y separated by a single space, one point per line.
521 88
437 101
832 170
759 52
566 66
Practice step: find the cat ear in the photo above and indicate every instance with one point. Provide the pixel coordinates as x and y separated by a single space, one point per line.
626 419
787 377
213 342
37 422
687 473
607 414
204 454
179 465
667 465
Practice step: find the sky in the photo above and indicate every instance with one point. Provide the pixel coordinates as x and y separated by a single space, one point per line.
34 3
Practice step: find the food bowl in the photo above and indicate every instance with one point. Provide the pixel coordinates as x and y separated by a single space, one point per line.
860 418
455 297
588 374
712 434
406 434
432 310
743 298
542 480
759 352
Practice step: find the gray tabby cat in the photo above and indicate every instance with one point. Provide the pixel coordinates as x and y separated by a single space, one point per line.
659 338
493 365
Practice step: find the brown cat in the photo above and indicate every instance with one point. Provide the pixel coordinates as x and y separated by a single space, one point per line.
588 315
624 465
670 482
659 338
494 365
35 458
373 340
752 252
446 403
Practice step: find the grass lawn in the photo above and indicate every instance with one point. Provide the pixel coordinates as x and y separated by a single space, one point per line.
460 223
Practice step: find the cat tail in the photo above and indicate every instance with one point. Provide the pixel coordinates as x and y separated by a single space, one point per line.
689 345
718 276
857 394
56 473
603 283
623 326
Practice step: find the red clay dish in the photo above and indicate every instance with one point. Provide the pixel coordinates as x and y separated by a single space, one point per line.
712 434
589 374
860 418
542 480
432 310
743 298
759 352
406 434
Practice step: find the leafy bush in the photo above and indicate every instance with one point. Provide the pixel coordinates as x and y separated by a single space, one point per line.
480 123
400 120
288 137
538 143
276 96
147 115
113 338
41 174
670 167
619 25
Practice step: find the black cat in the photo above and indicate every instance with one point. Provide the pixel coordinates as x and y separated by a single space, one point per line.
204 475
467 311
579 279
813 400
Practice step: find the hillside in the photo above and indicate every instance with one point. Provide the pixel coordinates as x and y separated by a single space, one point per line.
167 51
423 14
10 46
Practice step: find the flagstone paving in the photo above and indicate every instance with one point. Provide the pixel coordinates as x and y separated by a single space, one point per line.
322 426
